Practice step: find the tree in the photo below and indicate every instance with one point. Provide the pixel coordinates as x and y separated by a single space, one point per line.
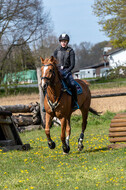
45 48
22 58
88 54
82 52
96 52
112 18
20 19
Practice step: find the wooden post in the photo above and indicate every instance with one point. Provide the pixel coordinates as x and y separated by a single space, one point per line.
41 97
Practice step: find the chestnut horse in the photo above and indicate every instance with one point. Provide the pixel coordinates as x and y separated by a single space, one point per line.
58 103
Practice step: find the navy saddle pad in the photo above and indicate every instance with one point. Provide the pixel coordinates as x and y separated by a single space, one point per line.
78 86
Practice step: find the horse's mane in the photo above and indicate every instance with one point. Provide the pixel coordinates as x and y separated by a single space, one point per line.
56 67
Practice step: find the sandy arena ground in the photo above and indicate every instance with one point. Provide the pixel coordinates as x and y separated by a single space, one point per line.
113 104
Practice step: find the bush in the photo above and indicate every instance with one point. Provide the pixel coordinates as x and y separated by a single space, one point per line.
119 72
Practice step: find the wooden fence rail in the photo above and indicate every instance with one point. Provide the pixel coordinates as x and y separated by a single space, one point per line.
108 95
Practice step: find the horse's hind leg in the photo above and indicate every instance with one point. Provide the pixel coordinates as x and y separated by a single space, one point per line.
51 143
84 109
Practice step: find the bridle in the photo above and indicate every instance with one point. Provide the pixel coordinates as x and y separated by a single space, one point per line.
51 81
53 73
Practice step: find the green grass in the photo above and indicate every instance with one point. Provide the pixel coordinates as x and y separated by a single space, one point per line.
40 168
104 80
107 83
17 91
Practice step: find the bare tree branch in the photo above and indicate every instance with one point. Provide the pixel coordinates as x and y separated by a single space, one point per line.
20 19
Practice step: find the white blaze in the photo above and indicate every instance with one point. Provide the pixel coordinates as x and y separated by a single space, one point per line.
44 72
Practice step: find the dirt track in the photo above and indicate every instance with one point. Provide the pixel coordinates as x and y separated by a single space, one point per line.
114 104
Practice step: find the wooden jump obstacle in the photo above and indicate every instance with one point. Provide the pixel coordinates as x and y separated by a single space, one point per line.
9 137
117 131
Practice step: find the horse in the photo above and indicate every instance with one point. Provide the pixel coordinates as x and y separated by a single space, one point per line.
58 103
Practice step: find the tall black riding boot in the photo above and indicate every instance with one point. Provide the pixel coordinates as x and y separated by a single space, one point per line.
74 97
74 93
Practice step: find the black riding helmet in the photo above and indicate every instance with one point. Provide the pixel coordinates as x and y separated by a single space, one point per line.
64 37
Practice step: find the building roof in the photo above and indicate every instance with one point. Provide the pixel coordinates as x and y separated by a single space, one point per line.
115 51
96 65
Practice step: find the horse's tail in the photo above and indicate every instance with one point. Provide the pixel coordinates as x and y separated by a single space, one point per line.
94 111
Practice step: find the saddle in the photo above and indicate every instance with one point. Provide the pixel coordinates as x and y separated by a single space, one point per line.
68 90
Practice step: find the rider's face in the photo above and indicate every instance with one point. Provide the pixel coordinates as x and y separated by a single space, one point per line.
64 43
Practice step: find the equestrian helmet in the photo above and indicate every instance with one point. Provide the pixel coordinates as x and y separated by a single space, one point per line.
64 37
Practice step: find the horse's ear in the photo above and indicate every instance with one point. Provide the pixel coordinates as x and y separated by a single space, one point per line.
52 59
42 60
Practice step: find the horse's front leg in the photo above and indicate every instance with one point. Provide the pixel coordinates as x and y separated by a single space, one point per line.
68 131
65 141
51 143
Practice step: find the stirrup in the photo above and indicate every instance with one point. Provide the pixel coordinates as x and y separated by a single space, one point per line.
75 106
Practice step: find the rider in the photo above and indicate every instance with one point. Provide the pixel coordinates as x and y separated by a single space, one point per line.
66 58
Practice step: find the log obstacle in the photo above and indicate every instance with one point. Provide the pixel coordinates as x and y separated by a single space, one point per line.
9 136
31 116
117 130
33 109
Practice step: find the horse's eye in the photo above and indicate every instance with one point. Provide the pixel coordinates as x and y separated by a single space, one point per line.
50 70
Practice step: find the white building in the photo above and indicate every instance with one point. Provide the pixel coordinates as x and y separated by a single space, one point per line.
85 73
117 58
113 60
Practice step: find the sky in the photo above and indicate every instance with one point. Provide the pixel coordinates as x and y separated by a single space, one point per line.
76 18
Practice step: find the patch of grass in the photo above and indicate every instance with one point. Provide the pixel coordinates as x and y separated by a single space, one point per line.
17 91
103 83
41 168
107 80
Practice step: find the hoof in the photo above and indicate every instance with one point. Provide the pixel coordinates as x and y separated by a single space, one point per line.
51 144
80 147
66 149
64 153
